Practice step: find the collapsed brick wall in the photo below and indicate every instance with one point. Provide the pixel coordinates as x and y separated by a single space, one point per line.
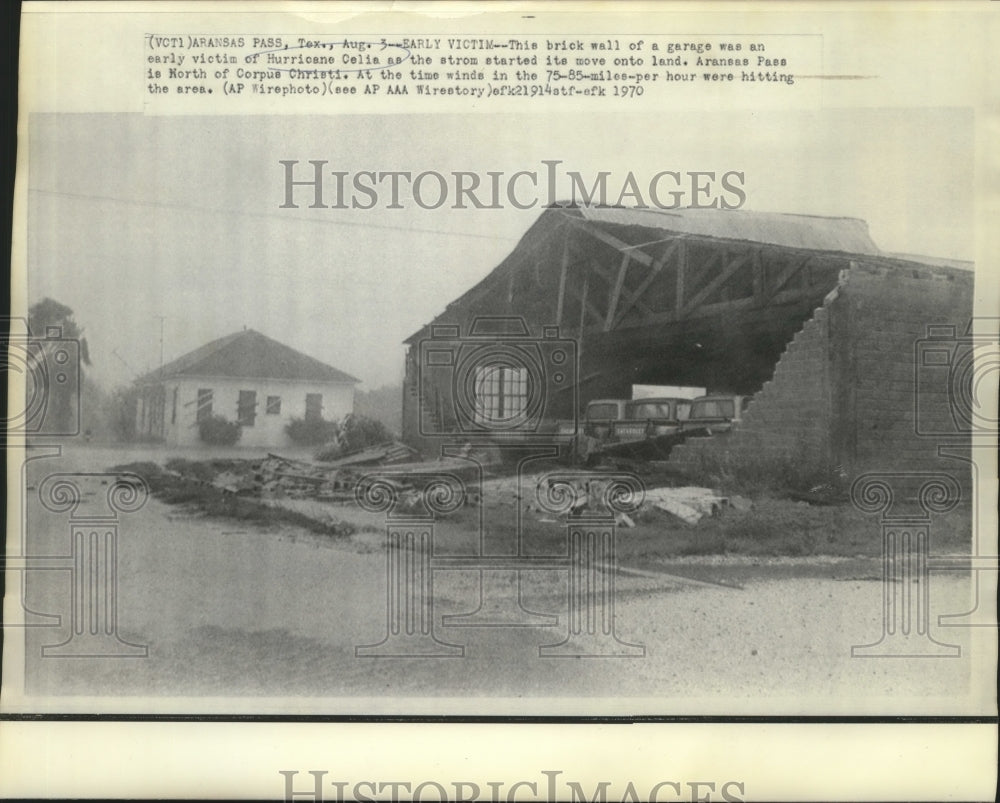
843 392
791 415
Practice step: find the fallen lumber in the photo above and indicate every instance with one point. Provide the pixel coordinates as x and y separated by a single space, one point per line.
383 454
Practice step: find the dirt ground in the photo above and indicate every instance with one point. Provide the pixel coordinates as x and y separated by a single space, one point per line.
239 618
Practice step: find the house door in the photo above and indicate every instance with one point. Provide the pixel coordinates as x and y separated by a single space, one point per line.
314 406
246 408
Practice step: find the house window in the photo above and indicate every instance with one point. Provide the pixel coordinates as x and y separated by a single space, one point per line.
246 408
204 404
501 393
273 405
173 407
314 406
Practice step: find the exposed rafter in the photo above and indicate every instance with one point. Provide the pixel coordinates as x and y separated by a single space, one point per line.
727 273
616 292
634 296
637 254
786 276
563 268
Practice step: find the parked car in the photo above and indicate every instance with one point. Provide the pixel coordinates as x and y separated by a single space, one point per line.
600 417
713 414
651 418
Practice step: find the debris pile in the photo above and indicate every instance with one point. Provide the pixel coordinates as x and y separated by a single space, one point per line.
332 480
549 497
690 504
588 494
385 454
397 465
297 479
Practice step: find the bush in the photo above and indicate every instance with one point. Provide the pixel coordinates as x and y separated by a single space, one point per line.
382 404
311 431
360 432
357 432
217 431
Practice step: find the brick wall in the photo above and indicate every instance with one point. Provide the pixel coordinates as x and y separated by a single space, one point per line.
789 419
843 393
887 309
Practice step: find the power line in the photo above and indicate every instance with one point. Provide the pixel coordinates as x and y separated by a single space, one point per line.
124 362
292 218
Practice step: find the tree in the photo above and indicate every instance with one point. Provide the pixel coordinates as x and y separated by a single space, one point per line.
61 396
384 404
48 313
122 413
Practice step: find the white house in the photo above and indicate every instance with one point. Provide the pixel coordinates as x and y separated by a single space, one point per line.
245 377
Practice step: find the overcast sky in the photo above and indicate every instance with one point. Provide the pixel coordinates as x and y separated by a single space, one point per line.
133 217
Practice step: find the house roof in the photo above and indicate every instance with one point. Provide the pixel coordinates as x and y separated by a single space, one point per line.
844 234
249 354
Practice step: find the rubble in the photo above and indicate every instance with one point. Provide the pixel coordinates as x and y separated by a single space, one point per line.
299 479
624 520
277 477
689 504
384 454
234 482
336 480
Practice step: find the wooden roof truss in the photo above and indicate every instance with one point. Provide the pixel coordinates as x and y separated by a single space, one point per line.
605 283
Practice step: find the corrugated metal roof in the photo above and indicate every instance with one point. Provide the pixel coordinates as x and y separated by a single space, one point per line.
843 234
249 354
940 262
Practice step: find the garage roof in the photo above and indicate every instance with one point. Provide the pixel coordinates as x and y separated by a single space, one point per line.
844 234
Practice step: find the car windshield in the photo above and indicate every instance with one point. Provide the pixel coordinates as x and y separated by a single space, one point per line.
646 410
713 408
602 412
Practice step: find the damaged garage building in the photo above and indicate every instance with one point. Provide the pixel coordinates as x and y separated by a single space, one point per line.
803 314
